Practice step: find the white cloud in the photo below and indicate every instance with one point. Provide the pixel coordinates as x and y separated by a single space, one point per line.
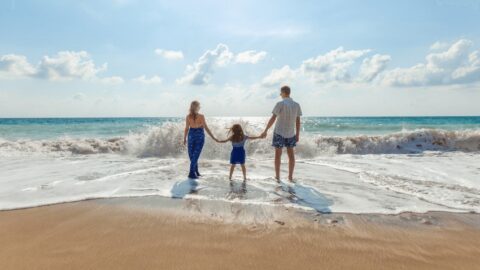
152 80
251 57
339 66
65 65
332 66
16 65
199 73
439 46
114 80
279 76
171 55
68 65
456 65
373 66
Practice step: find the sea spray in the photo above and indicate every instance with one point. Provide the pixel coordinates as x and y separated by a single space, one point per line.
166 140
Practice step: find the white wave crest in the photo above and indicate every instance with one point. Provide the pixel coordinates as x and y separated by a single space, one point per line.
167 141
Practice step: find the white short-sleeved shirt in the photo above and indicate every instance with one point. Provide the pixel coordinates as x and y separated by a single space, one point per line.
287 112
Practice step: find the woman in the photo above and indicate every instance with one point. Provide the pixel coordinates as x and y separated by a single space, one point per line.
194 125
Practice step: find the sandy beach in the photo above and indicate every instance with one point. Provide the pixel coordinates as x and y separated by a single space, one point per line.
231 135
138 233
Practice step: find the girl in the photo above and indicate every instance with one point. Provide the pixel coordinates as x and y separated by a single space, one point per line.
238 139
194 125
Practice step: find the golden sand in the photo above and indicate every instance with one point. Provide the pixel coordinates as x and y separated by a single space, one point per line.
89 235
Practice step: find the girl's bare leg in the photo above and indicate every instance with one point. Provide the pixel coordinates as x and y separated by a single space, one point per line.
244 171
232 167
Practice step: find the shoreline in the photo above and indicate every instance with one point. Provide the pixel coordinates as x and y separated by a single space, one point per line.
161 233
299 208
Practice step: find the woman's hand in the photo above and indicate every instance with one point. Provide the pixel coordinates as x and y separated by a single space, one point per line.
184 141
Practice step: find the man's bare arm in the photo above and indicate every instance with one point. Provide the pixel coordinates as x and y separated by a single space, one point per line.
269 125
297 126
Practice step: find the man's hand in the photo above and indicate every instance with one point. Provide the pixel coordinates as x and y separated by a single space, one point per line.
263 135
297 137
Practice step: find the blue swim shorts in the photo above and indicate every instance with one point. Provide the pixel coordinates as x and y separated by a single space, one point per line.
279 141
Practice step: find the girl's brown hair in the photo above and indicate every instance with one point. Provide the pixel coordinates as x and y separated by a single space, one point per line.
237 133
193 109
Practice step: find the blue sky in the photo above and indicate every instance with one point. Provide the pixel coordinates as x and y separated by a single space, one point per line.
151 58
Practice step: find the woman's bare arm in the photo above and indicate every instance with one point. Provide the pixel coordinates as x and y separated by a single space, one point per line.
185 132
224 141
207 129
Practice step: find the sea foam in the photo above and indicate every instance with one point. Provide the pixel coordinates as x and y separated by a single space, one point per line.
167 141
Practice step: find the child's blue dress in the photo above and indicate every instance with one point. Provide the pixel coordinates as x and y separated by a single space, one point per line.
238 152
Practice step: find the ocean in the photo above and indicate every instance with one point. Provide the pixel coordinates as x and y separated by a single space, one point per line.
344 164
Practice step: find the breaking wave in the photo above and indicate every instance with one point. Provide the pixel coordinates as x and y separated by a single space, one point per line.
167 141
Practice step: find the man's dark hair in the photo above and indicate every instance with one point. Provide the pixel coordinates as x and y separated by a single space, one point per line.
285 89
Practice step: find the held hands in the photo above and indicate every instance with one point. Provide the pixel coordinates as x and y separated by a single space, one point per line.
263 135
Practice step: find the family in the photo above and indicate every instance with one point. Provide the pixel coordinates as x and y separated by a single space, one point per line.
286 117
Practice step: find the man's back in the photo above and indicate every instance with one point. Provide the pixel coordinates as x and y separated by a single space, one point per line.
287 112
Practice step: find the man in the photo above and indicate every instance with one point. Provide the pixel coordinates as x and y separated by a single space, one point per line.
287 130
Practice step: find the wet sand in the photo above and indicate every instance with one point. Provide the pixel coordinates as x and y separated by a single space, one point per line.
137 233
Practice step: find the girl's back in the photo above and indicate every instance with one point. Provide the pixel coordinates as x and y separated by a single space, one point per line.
240 143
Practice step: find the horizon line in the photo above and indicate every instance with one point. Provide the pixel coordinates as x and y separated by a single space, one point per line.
306 116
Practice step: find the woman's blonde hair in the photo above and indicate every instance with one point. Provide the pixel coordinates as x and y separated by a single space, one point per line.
193 111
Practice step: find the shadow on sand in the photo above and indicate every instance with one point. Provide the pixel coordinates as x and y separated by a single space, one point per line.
305 196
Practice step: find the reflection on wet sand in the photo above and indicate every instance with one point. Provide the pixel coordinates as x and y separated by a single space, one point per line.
237 191
182 188
305 196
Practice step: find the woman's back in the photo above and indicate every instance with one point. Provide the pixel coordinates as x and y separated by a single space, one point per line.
195 121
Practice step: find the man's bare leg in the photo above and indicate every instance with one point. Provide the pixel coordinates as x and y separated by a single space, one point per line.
291 162
278 160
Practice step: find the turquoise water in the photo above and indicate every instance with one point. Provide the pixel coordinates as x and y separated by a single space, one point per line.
357 164
45 128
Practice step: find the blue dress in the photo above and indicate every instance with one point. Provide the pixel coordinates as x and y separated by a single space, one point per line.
196 139
238 152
